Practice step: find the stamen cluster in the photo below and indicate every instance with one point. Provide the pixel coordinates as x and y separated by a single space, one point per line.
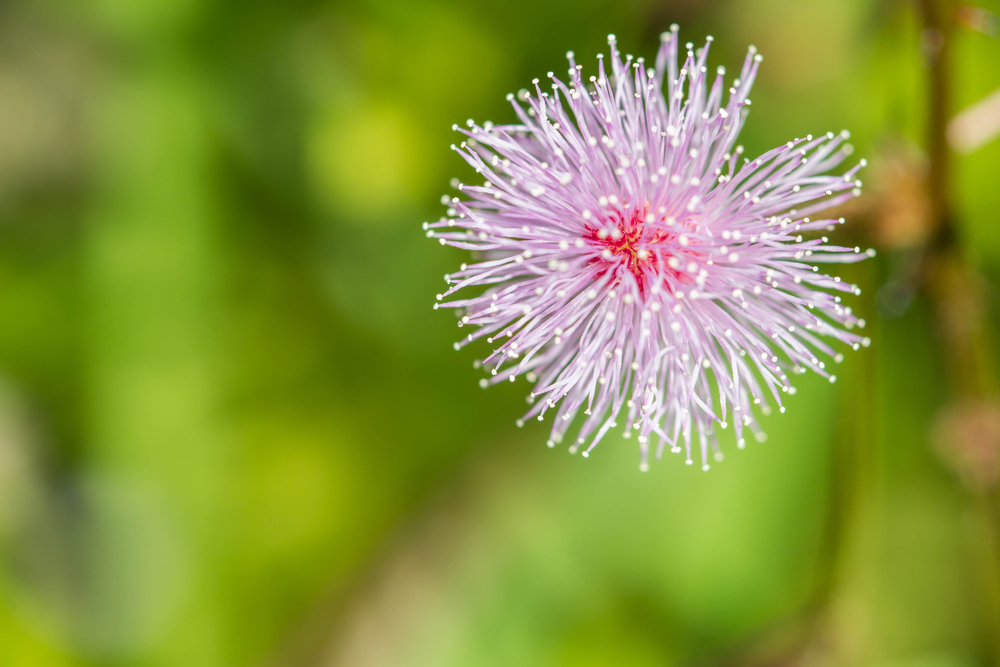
637 268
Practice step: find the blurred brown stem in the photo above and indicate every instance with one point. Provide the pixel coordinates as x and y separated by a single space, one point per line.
938 25
956 290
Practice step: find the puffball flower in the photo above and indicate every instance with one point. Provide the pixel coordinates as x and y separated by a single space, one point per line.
635 267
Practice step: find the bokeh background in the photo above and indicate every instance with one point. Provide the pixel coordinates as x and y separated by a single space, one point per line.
233 431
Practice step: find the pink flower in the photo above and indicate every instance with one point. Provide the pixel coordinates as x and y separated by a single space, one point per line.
637 269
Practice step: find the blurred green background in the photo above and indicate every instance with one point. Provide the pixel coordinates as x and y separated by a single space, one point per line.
233 431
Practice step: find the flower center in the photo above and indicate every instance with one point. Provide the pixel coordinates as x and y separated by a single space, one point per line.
648 251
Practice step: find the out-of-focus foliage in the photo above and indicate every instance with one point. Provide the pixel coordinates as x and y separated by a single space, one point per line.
233 431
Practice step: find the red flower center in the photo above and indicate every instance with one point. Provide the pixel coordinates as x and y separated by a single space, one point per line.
643 249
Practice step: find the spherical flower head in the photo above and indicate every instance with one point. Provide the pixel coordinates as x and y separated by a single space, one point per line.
635 267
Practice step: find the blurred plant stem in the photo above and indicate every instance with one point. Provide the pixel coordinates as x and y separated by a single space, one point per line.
936 46
956 290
